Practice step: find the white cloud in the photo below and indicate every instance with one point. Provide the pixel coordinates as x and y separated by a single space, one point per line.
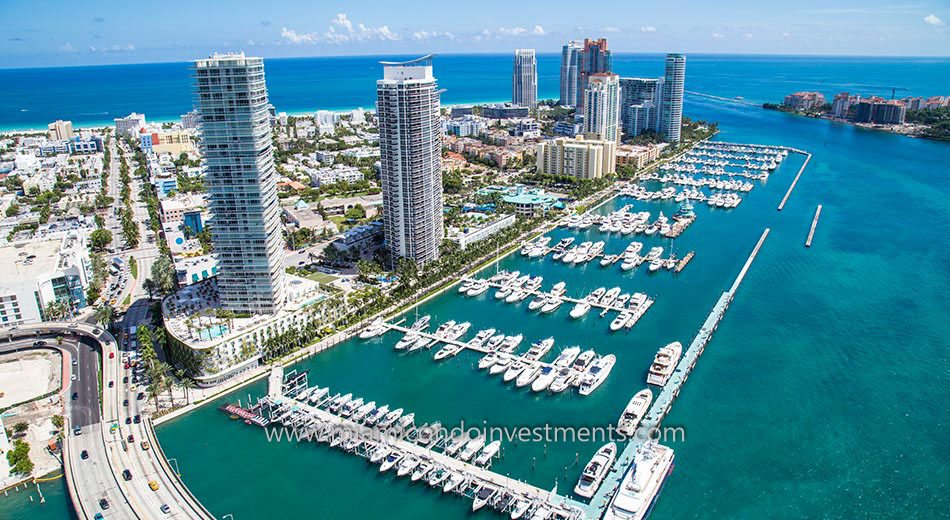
748 36
67 47
512 32
341 30
112 48
718 36
429 35
538 30
933 20
647 28
786 35
611 29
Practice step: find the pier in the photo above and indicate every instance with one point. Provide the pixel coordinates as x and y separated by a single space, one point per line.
661 405
814 224
681 264
794 182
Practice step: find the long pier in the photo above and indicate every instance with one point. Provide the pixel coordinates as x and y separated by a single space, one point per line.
661 405
794 182
814 224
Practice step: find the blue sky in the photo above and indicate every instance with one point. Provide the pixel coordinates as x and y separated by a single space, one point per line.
51 33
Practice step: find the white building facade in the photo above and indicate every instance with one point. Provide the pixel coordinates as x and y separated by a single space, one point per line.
524 79
602 107
671 106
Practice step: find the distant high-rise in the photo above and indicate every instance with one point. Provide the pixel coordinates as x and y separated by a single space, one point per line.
60 130
602 107
570 56
524 79
593 58
671 104
640 104
231 98
410 146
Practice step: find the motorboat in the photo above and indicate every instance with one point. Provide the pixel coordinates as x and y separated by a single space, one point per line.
488 360
444 329
551 305
634 412
489 451
656 264
455 444
610 296
318 395
363 411
377 328
390 418
595 470
495 341
597 373
503 292
479 287
449 350
595 296
429 434
558 288
528 375
421 323
335 406
408 464
350 407
654 253
381 452
510 343
514 370
538 302
482 496
664 363
407 340
472 447
566 357
520 508
516 296
421 470
564 378
374 416
620 321
539 349
437 476
608 259
422 342
453 481
584 360
391 460
501 364
481 337
457 331
406 420
580 309
544 379
465 286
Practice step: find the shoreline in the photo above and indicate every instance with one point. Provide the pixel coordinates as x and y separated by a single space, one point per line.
863 126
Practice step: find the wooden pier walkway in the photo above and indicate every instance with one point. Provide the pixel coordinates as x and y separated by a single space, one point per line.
814 224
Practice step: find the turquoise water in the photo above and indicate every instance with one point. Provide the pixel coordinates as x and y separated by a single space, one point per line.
822 395
212 332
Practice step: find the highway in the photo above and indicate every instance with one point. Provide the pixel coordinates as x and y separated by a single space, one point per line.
105 435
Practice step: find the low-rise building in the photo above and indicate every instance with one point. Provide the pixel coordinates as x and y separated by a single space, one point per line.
365 238
60 130
577 157
465 126
804 100
638 156
194 269
336 173
482 227
130 125
504 111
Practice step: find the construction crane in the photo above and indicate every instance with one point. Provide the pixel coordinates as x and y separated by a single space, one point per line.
892 89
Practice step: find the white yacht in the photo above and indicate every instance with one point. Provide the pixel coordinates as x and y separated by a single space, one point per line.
620 321
390 418
407 340
449 350
528 375
488 360
381 452
516 296
377 328
580 309
350 407
335 406
566 357
608 259
558 289
420 472
514 370
501 364
597 374
634 412
655 252
408 464
504 291
595 470
544 379
465 286
363 411
584 360
391 460
510 343
656 264
539 349
318 395
596 295
482 496
495 341
406 420
538 302
640 487
610 296
374 416
551 305
484 456
664 363
564 378
421 323
457 331
453 481
481 337
477 288
472 447
455 444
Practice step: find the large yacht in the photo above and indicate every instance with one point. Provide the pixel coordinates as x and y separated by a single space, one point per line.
664 363
633 413
637 493
595 470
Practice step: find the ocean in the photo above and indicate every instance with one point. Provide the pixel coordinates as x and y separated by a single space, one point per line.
822 395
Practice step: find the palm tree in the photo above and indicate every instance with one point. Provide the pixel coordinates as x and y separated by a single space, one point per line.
104 315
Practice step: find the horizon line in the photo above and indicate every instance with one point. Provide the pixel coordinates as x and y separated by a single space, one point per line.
552 53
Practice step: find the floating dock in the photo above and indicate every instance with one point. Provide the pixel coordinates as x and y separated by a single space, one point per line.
814 224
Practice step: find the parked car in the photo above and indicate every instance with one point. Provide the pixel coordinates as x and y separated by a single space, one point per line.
83 454
127 475
103 504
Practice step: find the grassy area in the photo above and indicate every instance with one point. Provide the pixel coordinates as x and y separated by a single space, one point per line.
133 267
321 277
127 301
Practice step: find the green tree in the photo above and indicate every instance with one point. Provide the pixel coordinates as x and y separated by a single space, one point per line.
20 427
13 210
100 239
58 421
164 276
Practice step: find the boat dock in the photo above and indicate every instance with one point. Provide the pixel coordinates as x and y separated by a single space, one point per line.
794 181
681 264
814 224
651 424
311 422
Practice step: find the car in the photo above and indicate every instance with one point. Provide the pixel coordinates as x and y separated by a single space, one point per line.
72 377
111 355
75 361
127 475
137 419
165 509
140 396
125 366
128 420
145 445
153 485
83 454
73 325
75 395
131 438
97 331
125 402
125 379
111 384
98 516
77 430
39 343
103 504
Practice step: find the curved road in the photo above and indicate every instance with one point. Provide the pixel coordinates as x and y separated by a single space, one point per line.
105 434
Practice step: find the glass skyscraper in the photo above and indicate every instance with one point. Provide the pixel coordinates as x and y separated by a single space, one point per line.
524 79
671 104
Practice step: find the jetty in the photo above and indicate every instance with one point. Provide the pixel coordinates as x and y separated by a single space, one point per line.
794 182
814 224
681 264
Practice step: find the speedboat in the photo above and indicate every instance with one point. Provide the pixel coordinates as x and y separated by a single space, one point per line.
520 508
363 411
656 264
455 444
580 309
487 453
495 342
608 259
318 395
391 460
421 323
453 481
350 407
390 418
538 302
511 343
449 350
610 296
335 406
376 415
516 295
482 496
562 380
380 453
528 375
421 469
539 349
634 412
596 295
429 434
664 363
408 464
472 447
407 341
481 337
583 360
457 331
558 288
503 293
597 374
444 329
437 476
514 370
544 379
478 288
595 470
620 321
406 420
